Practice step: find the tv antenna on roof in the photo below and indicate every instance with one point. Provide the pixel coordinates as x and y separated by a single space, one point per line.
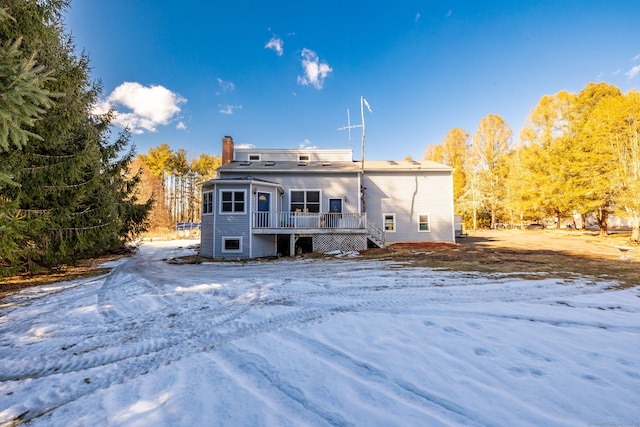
363 103
349 126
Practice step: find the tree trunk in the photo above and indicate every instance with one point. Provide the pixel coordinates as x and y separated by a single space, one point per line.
635 227
602 215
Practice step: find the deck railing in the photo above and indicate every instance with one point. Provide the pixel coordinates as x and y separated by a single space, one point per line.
309 220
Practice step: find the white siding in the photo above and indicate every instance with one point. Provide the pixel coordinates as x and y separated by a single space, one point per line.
407 195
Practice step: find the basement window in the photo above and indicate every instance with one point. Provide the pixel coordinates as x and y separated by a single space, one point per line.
254 157
232 244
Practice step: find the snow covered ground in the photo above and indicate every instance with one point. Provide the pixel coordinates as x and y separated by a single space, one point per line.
312 342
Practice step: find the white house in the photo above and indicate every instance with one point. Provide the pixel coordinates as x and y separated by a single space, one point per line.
279 201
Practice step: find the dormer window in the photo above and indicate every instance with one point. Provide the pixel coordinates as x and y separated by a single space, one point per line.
303 157
254 157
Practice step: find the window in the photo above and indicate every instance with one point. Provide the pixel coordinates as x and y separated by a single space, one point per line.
232 244
303 157
423 222
305 201
207 202
254 157
232 201
389 222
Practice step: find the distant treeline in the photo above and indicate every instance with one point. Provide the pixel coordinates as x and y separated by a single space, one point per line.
578 154
174 181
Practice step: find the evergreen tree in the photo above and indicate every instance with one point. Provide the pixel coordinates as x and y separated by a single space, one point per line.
72 192
23 99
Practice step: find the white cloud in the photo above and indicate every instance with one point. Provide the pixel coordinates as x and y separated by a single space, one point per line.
150 106
635 58
181 126
449 12
276 44
229 109
633 72
417 17
307 145
314 71
225 86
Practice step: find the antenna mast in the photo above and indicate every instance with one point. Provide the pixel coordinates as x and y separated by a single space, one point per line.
363 102
349 126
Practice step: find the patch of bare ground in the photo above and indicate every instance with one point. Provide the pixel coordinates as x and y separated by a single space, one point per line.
527 252
564 254
83 269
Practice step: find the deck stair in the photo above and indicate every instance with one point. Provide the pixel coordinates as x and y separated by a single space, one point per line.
375 234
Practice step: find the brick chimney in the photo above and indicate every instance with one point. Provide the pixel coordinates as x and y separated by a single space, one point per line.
227 150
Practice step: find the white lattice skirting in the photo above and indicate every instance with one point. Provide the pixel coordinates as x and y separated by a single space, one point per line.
339 242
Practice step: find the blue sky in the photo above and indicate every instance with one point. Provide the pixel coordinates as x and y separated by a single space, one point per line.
283 74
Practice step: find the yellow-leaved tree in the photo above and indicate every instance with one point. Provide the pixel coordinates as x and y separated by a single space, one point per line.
614 126
491 143
453 151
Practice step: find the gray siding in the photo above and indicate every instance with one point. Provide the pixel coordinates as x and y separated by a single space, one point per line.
279 154
332 186
206 236
408 195
227 225
206 228
264 245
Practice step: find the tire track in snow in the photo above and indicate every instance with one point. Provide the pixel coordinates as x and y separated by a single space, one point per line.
403 389
161 332
256 367
209 332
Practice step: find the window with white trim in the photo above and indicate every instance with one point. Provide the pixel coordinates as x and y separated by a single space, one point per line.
255 157
207 202
232 244
389 222
423 223
305 201
232 201
303 157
